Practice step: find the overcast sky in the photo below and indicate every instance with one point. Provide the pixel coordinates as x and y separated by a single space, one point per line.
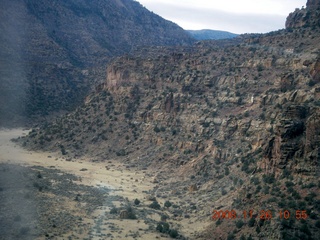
237 16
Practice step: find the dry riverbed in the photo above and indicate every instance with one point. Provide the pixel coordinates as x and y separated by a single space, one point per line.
45 196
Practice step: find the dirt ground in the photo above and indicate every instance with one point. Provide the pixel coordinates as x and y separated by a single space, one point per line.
126 185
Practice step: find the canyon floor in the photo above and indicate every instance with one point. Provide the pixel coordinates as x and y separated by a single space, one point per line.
47 196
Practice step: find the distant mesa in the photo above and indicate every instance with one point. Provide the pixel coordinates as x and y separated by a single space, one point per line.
207 34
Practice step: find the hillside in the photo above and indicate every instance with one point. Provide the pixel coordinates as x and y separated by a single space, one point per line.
52 52
207 34
220 125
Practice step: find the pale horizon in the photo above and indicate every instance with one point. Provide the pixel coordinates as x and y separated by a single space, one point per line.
247 16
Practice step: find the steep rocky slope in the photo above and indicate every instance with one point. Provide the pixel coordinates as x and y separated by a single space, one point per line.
52 52
306 17
222 125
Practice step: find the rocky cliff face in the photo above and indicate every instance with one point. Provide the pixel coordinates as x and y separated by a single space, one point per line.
219 125
238 121
53 52
313 4
306 17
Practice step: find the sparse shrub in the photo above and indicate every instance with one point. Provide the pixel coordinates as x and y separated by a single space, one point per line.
226 171
163 227
289 184
309 198
231 236
121 152
164 218
282 203
113 210
269 179
156 129
155 205
251 222
63 150
258 189
310 185
131 214
136 201
292 204
240 182
235 181
218 222
262 116
173 233
167 204
305 229
173 132
311 83
266 189
239 224
223 191
187 151
159 227
245 167
255 180
249 238
290 189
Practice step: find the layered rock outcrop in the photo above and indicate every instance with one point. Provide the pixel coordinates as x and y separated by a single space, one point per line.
305 17
53 52
238 120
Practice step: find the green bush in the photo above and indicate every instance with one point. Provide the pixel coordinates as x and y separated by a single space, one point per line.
156 129
136 201
255 180
269 179
155 205
223 192
239 224
164 218
131 214
258 189
218 222
163 227
231 236
304 228
282 203
159 227
167 204
113 210
121 152
289 184
251 222
173 233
